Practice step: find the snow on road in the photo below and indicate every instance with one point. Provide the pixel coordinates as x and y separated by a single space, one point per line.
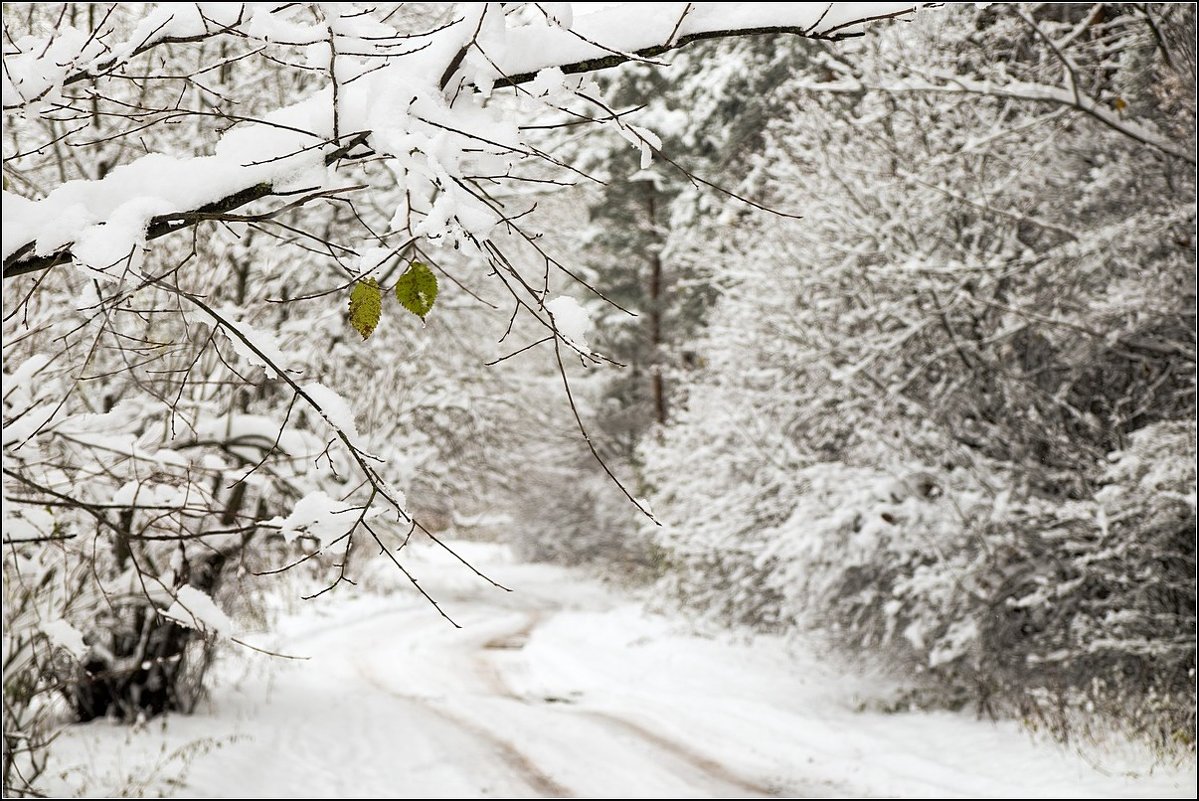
561 688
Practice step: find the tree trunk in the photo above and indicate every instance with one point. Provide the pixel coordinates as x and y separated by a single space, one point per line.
656 302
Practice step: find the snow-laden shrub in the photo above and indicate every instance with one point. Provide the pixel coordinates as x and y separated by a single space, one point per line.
1090 606
1053 611
40 644
898 424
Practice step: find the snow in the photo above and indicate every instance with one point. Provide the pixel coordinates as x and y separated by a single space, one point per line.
571 319
547 81
562 687
27 523
156 496
327 519
373 258
334 409
64 635
117 239
195 609
26 425
31 72
20 378
127 494
249 434
320 516
955 642
115 210
257 347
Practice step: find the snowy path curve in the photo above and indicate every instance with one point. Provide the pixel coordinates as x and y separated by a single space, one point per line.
519 743
560 689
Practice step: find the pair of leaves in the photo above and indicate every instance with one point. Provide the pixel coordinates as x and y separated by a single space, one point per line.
416 291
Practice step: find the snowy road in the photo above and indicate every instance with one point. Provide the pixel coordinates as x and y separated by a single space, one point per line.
559 689
452 712
531 744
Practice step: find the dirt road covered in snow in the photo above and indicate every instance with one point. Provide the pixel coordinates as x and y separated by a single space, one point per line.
560 688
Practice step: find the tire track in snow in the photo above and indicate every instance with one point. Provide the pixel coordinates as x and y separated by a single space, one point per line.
710 767
515 641
541 784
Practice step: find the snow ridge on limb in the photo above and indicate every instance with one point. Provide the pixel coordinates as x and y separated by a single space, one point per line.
627 32
287 153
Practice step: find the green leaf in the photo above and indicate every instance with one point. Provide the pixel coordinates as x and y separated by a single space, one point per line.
417 289
366 306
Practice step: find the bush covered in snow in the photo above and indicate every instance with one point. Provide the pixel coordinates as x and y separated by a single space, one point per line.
1045 609
948 415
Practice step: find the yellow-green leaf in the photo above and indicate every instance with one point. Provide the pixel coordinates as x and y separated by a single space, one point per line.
417 289
366 306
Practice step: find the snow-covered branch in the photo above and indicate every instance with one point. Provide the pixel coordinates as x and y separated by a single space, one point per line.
36 70
414 97
1024 92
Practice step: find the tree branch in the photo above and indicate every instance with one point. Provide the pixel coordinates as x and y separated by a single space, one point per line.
24 260
616 59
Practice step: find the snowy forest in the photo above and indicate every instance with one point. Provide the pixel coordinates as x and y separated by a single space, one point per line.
599 399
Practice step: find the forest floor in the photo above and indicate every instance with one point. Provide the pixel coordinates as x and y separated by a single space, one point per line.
560 688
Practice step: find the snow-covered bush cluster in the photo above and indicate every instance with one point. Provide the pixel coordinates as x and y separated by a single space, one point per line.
948 416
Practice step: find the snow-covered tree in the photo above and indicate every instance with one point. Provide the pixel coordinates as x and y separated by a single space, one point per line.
651 240
207 208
